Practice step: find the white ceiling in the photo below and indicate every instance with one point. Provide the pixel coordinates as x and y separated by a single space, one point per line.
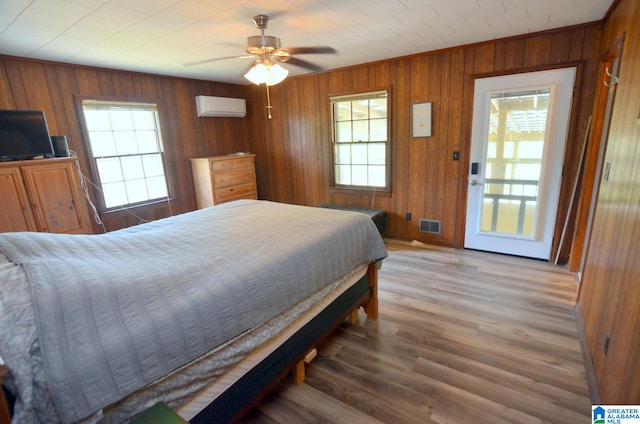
160 36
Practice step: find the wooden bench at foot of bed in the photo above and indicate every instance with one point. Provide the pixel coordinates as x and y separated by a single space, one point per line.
378 216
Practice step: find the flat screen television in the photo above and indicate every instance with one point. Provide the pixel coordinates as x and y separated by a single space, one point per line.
24 135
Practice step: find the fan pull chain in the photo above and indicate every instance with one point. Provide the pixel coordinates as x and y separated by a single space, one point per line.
269 107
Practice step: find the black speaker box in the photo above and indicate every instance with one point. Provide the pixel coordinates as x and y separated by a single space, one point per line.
60 146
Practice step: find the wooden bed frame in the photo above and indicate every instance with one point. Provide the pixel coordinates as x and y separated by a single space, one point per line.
242 396
5 416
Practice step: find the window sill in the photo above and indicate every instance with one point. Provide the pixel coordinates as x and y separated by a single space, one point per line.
360 191
140 206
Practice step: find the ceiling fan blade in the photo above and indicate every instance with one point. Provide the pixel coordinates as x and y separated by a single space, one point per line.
201 62
310 50
304 64
247 69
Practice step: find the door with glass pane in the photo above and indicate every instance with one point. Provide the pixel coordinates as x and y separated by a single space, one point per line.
519 131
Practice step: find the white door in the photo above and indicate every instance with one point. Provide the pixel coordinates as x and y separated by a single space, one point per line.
519 131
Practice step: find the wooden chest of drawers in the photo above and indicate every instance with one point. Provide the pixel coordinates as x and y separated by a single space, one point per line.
220 179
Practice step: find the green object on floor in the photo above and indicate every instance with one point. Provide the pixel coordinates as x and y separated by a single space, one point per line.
159 413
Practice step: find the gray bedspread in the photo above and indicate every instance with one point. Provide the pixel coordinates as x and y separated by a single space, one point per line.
117 311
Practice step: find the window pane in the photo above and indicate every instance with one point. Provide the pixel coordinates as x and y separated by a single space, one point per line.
109 170
126 142
97 120
152 165
143 120
376 176
115 194
343 153
102 144
377 153
359 154
136 191
343 111
508 150
530 190
530 149
360 110
359 175
344 132
378 108
156 187
378 130
529 217
147 141
525 171
121 120
517 134
132 167
343 174
361 131
491 150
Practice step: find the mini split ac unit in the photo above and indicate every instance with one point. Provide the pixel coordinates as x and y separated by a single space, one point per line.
221 106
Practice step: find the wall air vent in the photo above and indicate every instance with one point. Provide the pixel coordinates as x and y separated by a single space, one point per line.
430 226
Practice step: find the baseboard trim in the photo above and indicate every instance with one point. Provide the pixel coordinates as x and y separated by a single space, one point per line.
590 371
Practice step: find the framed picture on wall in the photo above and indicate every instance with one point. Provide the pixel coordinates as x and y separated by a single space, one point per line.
421 119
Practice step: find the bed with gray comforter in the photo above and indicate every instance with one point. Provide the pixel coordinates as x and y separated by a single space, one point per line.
87 320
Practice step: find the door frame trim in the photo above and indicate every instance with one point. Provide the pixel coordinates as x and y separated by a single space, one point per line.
589 179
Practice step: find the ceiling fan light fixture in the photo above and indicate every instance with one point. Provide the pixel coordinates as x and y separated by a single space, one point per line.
257 74
277 74
266 73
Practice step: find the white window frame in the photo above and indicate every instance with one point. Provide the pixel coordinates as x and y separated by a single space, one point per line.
144 182
372 142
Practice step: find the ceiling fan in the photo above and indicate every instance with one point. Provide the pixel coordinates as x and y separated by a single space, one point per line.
267 50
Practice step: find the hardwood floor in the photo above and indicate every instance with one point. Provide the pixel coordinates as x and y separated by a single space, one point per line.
462 337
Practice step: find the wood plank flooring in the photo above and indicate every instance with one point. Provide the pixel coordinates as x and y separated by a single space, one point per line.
463 337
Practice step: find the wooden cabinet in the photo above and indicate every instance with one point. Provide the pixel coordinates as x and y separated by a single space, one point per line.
220 179
15 208
42 195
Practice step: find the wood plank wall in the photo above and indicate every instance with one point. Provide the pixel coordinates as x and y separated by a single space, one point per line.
609 296
53 87
293 149
293 159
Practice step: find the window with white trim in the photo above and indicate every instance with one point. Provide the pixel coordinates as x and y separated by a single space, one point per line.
125 143
361 141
